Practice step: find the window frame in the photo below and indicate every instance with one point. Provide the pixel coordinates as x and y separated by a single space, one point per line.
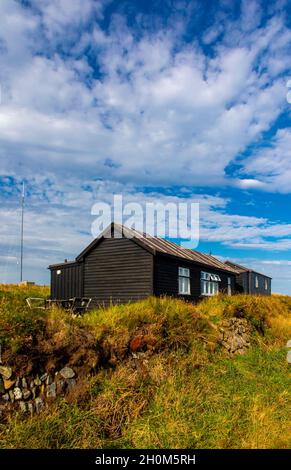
184 281
209 284
229 286
256 281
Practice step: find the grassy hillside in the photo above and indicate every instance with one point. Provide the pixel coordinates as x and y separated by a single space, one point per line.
152 374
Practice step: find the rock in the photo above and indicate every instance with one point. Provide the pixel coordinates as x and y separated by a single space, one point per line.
33 391
288 345
26 394
17 382
6 372
30 408
43 377
17 393
51 390
31 385
39 405
8 384
71 383
23 406
2 387
37 381
24 383
11 396
289 357
61 386
235 335
49 379
67 373
6 397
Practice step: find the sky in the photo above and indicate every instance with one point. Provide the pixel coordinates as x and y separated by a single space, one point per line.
168 101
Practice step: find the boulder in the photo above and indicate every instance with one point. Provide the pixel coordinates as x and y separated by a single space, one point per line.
67 373
24 382
2 387
288 345
71 383
51 390
23 406
37 381
8 384
17 393
30 408
26 394
289 357
39 405
6 372
48 379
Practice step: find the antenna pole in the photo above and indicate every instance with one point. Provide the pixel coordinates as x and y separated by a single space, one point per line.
21 245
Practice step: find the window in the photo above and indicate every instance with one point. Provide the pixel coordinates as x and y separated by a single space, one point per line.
184 281
257 282
229 286
266 284
209 283
59 272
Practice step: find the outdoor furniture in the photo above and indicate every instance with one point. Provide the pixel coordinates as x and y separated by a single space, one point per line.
74 305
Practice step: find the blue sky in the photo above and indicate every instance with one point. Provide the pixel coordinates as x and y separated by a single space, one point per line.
157 100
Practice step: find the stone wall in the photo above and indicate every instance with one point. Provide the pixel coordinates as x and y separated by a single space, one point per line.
235 335
32 393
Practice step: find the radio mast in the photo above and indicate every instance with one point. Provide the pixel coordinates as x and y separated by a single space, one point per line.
21 243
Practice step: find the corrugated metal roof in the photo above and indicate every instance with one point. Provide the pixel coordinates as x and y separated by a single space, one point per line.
154 245
65 263
238 268
164 246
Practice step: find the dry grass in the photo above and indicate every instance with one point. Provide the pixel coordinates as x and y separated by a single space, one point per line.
184 393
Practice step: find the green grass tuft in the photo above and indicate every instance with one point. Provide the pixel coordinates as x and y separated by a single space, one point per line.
185 393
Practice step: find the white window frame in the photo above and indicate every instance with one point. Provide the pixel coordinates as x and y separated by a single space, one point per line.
209 284
229 291
184 284
266 284
257 282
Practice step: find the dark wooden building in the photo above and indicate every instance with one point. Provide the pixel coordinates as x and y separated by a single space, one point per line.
130 266
249 281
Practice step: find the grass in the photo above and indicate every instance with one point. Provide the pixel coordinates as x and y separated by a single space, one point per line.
186 392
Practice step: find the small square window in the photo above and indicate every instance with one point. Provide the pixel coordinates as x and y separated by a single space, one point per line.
209 283
59 272
184 281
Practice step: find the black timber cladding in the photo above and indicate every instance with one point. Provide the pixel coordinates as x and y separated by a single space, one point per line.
66 281
118 270
122 269
250 281
166 277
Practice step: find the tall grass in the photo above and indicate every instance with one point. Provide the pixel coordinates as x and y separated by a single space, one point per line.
185 392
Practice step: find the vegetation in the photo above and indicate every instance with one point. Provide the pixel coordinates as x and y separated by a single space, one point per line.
179 389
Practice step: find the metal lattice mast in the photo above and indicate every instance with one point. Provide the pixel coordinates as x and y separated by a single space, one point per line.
21 243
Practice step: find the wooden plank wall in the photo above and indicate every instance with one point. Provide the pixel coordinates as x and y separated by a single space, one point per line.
118 271
69 283
166 277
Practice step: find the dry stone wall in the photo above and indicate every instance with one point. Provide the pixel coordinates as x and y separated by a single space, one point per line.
31 394
235 335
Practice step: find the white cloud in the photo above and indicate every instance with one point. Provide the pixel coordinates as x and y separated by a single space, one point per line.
155 111
58 222
160 115
272 164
